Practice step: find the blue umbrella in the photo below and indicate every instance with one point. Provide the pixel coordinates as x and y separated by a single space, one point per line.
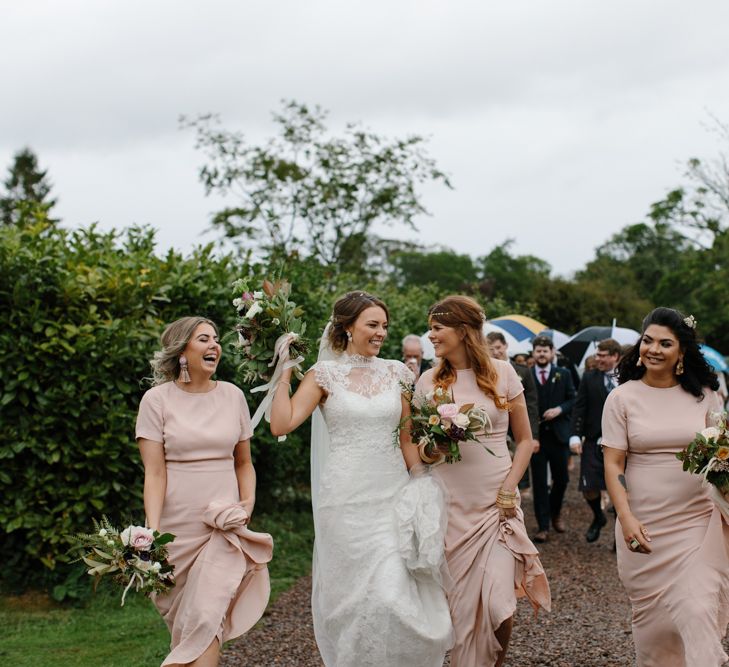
715 358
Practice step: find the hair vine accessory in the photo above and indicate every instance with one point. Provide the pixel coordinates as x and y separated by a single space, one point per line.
690 321
440 313
184 373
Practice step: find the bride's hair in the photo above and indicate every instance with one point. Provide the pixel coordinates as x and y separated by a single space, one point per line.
465 315
345 313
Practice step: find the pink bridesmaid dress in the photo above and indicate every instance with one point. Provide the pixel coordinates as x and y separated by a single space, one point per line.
491 562
221 576
680 592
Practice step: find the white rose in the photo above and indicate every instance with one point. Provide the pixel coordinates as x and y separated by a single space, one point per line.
238 303
254 310
102 532
156 567
143 565
711 432
461 420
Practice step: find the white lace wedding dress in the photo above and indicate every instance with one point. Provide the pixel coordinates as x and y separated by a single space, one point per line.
368 608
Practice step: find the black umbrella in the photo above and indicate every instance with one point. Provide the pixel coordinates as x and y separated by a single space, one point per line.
582 343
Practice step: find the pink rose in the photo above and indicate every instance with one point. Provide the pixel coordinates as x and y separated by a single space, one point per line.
247 296
448 410
137 537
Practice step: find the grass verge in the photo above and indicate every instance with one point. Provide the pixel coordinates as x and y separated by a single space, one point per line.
37 632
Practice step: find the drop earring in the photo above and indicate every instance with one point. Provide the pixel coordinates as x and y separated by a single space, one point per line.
349 336
639 362
679 367
184 373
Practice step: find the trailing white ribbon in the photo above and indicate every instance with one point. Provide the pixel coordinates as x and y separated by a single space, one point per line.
282 361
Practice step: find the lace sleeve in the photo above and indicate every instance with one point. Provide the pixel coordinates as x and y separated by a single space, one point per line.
322 375
402 374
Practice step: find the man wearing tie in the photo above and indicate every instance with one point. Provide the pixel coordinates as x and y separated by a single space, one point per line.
556 395
587 429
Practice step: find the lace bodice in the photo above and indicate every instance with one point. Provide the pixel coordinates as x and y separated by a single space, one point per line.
363 406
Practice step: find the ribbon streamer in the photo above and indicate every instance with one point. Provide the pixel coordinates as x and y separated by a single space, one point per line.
282 361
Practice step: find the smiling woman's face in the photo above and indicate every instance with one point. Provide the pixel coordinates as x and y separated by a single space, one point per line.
368 332
659 350
203 351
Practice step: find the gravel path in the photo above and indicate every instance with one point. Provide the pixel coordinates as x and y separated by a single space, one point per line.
589 625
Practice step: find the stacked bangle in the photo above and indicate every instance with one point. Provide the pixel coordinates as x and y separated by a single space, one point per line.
506 499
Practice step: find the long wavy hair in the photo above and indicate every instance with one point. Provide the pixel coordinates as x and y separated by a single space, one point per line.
697 373
465 315
346 310
166 362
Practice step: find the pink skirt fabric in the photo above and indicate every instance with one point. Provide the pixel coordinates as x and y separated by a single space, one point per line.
492 563
679 592
222 585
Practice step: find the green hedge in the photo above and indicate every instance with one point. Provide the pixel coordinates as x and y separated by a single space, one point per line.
82 312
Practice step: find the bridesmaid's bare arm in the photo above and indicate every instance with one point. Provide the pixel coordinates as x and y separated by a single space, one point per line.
407 447
520 427
618 489
288 412
246 475
155 479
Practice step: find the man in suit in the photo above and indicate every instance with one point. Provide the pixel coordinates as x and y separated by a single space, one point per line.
587 429
556 396
412 355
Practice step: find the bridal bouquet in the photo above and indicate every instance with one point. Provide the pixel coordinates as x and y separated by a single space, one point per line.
266 321
135 556
708 455
437 425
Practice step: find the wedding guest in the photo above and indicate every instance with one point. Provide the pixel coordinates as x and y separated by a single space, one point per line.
412 355
673 545
591 363
586 429
556 394
490 557
520 359
194 436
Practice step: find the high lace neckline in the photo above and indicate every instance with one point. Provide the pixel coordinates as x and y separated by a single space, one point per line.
357 359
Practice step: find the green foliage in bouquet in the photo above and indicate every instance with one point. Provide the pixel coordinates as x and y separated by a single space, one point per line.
135 556
264 315
708 454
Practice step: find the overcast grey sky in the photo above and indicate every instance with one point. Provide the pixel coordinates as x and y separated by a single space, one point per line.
558 122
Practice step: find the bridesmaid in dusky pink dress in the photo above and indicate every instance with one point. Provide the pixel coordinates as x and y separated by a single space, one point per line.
199 484
490 557
672 542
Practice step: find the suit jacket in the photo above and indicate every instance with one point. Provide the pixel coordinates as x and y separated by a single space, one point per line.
558 391
587 412
530 396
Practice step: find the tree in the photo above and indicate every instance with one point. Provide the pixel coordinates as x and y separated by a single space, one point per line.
447 269
514 278
27 191
306 190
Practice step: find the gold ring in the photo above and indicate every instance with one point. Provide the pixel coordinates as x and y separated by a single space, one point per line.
634 544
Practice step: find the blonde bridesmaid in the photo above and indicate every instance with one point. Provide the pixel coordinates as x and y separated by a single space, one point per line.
672 543
194 435
490 557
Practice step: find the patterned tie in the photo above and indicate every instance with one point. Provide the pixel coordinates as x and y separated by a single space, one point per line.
543 373
609 386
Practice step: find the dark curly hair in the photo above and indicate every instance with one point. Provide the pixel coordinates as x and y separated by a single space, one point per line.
697 373
345 313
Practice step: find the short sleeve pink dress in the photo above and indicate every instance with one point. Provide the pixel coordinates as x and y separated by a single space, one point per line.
221 577
491 562
680 592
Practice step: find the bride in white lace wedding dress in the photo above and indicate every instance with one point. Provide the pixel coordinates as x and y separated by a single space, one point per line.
368 607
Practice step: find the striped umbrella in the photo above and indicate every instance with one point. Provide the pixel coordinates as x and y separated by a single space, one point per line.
520 327
715 358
